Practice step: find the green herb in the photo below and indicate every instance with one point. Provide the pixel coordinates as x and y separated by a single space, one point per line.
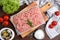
29 23
0 2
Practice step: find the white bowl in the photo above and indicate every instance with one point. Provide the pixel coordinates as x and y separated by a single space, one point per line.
10 30
39 34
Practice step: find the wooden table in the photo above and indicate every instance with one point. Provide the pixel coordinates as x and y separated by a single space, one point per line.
29 37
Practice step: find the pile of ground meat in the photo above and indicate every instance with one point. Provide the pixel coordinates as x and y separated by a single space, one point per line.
34 15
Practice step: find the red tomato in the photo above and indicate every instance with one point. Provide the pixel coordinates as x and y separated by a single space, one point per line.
54 23
57 13
51 26
5 23
6 17
1 19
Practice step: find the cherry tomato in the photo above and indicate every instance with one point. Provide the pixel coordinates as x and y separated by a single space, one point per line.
57 13
51 26
1 19
54 23
5 23
6 17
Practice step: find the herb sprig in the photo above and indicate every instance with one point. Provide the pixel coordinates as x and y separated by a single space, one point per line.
29 23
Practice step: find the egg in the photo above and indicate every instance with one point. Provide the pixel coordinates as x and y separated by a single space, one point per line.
39 34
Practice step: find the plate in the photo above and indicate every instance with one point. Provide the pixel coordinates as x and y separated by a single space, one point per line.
51 32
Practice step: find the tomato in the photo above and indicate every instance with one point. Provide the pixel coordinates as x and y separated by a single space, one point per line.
5 23
6 17
54 23
51 26
57 13
1 19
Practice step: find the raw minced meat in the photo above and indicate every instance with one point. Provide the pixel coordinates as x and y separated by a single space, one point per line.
34 15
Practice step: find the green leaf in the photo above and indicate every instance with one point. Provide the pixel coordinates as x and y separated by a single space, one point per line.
0 2
10 6
29 23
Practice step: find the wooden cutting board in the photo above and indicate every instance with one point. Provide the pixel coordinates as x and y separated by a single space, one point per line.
43 9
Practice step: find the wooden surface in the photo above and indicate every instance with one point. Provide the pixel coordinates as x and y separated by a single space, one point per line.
29 37
42 10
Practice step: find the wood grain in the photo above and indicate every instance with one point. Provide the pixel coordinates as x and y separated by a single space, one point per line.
43 9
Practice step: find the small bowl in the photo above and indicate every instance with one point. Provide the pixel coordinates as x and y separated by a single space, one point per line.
39 34
9 30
